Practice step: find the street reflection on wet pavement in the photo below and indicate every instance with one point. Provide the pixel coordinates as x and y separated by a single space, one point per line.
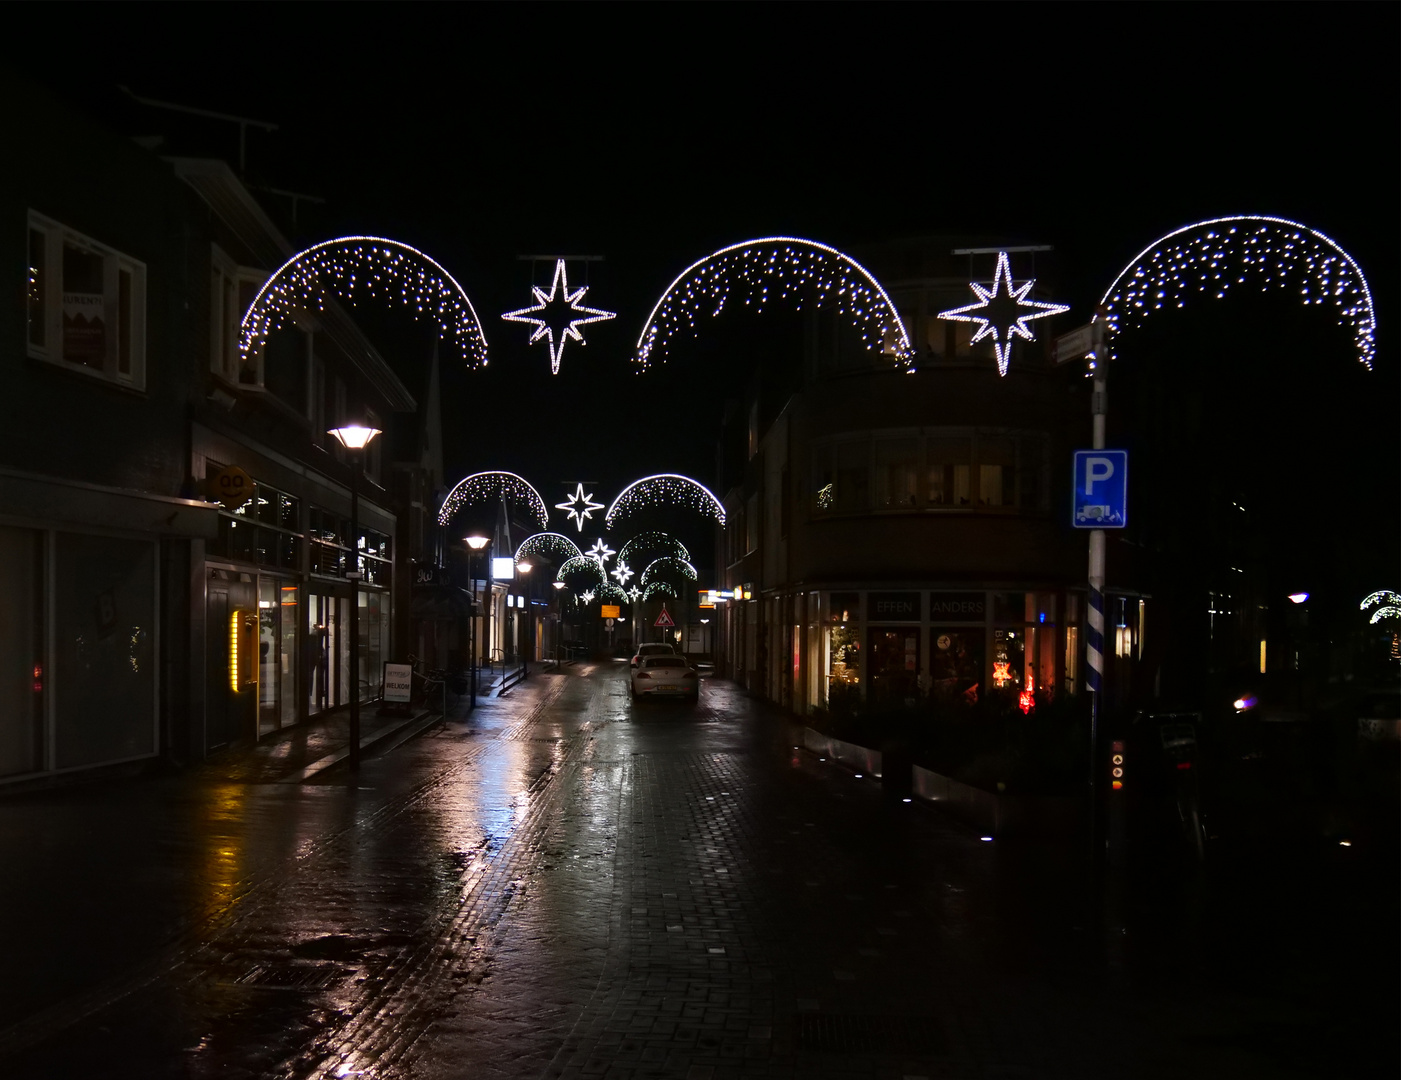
567 883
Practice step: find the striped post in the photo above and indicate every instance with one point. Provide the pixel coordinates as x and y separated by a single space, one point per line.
1094 639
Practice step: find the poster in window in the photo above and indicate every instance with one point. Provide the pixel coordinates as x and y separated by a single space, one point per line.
84 328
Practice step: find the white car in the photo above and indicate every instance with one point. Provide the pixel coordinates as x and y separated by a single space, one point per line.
651 648
665 676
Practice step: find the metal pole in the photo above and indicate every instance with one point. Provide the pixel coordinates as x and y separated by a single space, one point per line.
354 612
1094 637
472 629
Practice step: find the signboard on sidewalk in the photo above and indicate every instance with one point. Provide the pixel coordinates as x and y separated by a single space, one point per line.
1101 489
398 683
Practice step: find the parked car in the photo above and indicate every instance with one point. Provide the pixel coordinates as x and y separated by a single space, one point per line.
1379 718
651 648
665 676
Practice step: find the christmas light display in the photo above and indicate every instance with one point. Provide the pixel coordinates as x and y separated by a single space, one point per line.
494 484
622 572
602 552
611 594
780 268
653 542
1211 257
580 506
549 545
582 565
358 268
659 588
547 316
671 488
1390 606
667 565
1003 311
586 597
634 594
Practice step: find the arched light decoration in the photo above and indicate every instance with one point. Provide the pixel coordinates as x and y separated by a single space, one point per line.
549 545
1003 311
659 588
582 564
494 484
1388 606
653 541
667 565
780 268
665 488
364 267
1214 256
609 593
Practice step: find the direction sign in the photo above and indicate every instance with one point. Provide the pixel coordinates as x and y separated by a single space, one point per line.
664 619
1101 489
1074 345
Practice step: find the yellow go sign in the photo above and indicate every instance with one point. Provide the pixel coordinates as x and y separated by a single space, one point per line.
231 486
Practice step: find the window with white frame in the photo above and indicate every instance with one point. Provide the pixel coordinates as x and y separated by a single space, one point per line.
86 304
232 289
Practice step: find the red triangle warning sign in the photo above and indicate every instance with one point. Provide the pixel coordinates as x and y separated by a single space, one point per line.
664 619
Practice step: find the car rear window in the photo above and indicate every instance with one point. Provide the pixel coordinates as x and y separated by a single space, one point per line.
666 661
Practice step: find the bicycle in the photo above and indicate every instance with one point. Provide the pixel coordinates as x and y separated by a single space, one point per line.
435 687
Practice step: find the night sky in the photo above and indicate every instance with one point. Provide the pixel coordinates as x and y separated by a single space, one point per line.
653 134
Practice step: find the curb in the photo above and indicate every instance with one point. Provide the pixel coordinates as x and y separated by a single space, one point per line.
418 723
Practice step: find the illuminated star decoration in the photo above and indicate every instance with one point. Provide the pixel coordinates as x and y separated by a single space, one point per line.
634 593
602 552
1002 316
557 315
580 506
587 596
621 572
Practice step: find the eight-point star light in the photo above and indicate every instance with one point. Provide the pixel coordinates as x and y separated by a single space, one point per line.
602 552
999 311
558 314
579 506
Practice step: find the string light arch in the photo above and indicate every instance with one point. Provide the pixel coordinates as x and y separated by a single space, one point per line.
665 488
653 542
1211 257
667 565
778 268
582 565
365 267
494 484
550 545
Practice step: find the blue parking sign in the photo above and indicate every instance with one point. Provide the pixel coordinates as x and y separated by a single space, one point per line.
1101 489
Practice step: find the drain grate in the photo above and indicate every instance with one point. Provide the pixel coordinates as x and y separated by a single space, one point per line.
306 978
827 1033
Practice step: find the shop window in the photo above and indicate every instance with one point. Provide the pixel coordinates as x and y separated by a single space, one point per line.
232 290
948 461
956 664
86 305
896 472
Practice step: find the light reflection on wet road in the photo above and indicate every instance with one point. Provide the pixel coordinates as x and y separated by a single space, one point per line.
569 883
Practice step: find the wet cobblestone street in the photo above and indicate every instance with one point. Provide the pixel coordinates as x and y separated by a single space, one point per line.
568 884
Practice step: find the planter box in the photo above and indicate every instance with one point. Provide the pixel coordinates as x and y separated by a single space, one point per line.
999 815
857 758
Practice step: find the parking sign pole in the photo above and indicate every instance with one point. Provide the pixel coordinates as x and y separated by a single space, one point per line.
1094 636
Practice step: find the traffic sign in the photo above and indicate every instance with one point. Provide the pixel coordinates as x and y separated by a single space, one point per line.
664 619
1101 489
611 611
1074 345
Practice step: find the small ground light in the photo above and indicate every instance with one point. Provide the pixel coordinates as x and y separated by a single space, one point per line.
858 776
1345 843
986 839
907 800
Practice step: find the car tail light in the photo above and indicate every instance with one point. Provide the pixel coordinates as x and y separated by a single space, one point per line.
1182 765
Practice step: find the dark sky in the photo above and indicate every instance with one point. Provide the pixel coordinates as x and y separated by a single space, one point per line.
652 134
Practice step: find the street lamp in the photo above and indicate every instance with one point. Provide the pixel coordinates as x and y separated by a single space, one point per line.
524 568
476 543
559 618
355 438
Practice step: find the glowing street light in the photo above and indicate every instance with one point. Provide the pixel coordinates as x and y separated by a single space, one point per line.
355 438
475 543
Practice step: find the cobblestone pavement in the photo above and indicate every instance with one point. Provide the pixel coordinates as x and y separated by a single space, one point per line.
568 884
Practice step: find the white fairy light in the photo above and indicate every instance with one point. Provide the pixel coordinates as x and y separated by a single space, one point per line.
667 565
797 270
654 542
669 488
999 311
546 316
622 572
579 506
659 588
551 545
582 564
364 267
494 484
587 596
634 594
609 593
1381 596
1386 611
1213 256
602 552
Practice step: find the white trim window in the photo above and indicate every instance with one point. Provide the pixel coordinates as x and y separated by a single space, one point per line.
231 292
86 305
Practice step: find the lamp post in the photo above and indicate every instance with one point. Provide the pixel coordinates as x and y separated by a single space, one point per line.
559 618
355 438
524 568
475 543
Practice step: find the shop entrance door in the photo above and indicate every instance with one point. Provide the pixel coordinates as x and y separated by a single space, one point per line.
228 715
893 664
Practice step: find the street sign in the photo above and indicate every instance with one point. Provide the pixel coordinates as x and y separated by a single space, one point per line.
608 624
664 619
1074 345
612 611
1101 489
231 486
